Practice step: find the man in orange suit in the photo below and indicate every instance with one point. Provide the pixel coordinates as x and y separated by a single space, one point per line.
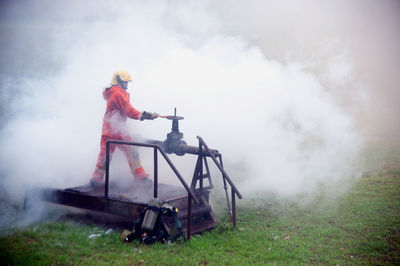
114 127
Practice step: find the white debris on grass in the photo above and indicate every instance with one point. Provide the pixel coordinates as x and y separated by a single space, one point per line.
100 232
138 250
275 237
92 236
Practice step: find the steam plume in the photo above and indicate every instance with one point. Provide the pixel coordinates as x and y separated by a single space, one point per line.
281 89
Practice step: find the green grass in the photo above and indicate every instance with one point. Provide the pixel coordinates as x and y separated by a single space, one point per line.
361 227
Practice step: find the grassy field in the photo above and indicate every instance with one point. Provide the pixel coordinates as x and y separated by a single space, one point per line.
361 227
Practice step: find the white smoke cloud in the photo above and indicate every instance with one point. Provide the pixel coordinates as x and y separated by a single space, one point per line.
278 123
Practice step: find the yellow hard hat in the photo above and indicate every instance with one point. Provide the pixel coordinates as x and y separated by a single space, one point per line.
123 75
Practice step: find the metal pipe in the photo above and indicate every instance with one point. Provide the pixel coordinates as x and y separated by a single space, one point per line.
225 188
233 208
195 175
220 168
189 222
107 169
201 164
141 144
178 175
155 173
208 171
165 157
185 148
195 150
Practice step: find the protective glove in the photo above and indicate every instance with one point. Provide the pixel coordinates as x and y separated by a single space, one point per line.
148 116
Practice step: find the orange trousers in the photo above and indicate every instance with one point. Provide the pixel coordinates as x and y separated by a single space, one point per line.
130 153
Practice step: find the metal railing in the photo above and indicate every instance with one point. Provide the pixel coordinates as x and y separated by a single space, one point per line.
234 190
206 152
156 148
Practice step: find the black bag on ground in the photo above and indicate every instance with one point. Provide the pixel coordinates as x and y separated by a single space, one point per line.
150 227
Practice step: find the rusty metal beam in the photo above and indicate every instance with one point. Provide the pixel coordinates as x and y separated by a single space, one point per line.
189 222
179 175
95 203
155 173
185 148
144 145
234 189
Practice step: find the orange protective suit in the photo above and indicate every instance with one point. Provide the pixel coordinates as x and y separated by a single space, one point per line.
117 111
